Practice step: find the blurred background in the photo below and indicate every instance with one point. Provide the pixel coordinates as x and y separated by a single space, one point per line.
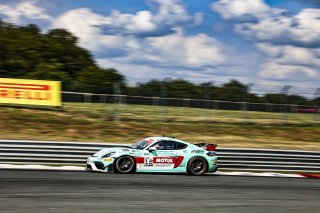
242 73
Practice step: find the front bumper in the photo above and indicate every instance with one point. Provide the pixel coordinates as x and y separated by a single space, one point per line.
213 164
99 165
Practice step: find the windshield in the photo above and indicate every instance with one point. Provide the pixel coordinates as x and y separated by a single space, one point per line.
142 144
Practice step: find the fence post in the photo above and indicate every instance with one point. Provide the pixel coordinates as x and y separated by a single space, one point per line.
117 101
207 97
285 91
163 100
155 101
246 99
317 114
186 102
87 98
124 100
269 108
217 105
102 98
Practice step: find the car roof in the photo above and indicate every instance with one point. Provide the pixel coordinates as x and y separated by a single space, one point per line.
156 139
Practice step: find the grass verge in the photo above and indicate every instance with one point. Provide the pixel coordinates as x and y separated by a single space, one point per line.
95 122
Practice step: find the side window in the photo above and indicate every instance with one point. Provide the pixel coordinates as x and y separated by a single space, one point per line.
180 145
165 145
170 145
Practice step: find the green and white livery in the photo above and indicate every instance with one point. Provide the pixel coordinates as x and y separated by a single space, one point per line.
156 154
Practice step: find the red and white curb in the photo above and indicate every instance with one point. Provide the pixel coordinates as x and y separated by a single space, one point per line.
311 175
79 168
259 174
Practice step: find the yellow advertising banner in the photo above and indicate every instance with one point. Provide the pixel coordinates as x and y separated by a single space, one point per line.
31 92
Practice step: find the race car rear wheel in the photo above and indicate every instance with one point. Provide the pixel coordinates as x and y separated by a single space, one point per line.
125 165
197 166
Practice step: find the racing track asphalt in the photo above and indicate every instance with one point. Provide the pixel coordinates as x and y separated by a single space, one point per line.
60 191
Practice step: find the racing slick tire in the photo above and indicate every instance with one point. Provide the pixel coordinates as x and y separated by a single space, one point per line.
125 165
197 166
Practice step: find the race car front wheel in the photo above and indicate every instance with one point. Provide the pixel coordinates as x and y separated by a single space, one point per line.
125 165
197 166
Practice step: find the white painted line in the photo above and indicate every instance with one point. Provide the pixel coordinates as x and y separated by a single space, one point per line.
41 167
260 174
79 168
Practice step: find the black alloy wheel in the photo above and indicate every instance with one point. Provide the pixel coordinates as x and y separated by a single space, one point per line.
197 166
125 165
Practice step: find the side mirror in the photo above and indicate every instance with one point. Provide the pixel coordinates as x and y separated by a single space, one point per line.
152 149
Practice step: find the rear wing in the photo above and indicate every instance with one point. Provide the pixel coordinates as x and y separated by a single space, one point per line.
209 147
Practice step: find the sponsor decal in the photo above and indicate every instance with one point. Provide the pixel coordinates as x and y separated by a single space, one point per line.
107 159
197 151
166 152
163 165
214 161
159 162
163 160
148 161
32 92
133 152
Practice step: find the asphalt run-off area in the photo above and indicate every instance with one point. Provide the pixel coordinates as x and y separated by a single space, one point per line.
78 191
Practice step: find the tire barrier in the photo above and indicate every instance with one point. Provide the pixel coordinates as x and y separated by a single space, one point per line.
237 159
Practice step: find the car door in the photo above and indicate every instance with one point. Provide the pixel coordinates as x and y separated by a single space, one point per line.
164 158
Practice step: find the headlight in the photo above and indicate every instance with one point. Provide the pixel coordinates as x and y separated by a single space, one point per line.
108 155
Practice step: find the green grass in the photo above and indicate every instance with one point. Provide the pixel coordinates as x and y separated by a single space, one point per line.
95 122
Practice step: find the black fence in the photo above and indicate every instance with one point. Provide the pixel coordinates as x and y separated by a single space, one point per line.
181 102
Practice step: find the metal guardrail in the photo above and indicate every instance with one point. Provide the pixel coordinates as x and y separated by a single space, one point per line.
75 153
